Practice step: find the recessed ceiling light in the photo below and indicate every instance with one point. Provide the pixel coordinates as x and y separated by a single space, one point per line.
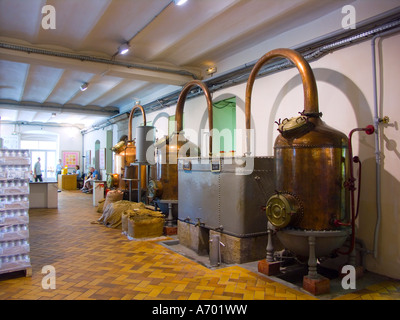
180 2
123 48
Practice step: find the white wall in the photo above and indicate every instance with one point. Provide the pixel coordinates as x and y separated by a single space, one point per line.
289 37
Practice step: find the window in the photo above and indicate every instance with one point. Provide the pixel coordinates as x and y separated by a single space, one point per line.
43 146
224 123
48 163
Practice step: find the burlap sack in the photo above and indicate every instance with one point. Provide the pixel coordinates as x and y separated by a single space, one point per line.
112 214
124 222
145 223
101 205
126 214
113 196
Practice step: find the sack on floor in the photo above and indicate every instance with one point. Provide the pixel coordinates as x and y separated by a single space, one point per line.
100 205
127 214
145 223
113 196
138 213
112 214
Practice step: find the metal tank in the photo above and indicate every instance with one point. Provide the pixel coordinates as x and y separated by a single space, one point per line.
131 171
310 167
224 196
144 142
163 186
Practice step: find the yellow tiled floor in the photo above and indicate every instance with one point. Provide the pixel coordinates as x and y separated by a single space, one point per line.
95 262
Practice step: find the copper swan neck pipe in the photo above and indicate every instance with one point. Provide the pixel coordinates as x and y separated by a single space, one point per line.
181 103
138 106
307 76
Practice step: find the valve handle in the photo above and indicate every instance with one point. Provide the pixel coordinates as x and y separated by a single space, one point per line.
369 129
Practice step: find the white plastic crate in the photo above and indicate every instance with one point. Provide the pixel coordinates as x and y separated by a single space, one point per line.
14 206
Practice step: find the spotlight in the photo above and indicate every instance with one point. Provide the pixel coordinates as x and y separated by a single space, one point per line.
84 86
123 48
211 70
180 2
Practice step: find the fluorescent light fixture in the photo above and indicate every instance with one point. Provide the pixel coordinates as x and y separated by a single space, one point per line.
180 2
123 48
84 86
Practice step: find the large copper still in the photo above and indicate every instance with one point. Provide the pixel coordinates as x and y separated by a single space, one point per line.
119 155
310 160
169 149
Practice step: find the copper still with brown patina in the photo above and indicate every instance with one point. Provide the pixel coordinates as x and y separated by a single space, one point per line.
309 160
169 149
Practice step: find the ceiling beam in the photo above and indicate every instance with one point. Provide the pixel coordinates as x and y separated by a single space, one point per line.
151 73
44 107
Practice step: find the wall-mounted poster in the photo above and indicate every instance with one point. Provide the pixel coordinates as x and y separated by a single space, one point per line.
70 158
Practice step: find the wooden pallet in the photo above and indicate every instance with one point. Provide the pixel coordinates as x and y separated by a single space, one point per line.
27 269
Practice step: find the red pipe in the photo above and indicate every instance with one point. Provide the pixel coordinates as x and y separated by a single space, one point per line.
350 185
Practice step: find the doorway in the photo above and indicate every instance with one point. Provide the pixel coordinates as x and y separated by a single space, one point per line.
48 163
43 146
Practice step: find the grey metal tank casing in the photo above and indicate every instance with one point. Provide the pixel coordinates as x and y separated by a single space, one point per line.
230 198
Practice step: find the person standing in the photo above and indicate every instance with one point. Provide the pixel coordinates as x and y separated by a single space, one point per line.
37 171
58 168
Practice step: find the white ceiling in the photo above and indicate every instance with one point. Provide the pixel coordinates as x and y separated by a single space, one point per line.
170 45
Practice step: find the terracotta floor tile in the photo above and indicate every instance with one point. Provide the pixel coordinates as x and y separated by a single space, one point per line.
96 262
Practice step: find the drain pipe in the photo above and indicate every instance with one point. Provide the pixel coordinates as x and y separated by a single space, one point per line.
377 121
83 153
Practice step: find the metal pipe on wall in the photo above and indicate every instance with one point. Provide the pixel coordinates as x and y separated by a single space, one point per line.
377 120
105 61
181 102
83 153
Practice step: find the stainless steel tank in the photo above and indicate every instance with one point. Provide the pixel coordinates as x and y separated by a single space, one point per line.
310 160
212 194
144 142
225 195
130 153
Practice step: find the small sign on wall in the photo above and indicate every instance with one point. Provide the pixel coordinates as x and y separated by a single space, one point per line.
87 160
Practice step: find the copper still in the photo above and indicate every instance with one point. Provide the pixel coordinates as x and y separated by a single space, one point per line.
169 149
119 161
310 162
131 172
